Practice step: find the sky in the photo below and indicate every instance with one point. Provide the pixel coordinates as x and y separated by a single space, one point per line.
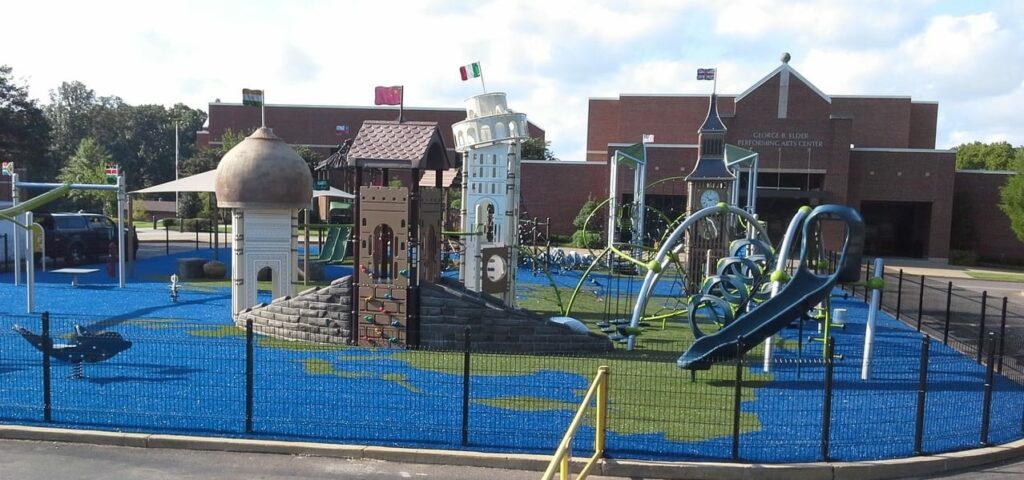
549 56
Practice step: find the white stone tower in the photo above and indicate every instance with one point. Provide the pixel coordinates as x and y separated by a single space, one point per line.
489 140
264 182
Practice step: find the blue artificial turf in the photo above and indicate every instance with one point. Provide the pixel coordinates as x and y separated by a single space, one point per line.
185 373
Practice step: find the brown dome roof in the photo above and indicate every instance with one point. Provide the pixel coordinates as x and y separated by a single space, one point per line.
263 172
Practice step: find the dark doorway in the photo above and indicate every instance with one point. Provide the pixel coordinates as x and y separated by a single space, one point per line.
896 229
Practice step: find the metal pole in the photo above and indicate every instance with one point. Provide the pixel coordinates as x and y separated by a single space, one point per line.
249 370
17 251
167 239
465 386
1002 335
47 348
922 393
121 195
305 253
869 332
177 203
30 267
899 294
920 303
949 299
986 407
737 399
826 414
981 325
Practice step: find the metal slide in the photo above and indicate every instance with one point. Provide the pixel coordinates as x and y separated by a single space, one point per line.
802 293
34 202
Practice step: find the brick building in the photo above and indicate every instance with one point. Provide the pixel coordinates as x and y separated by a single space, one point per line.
873 153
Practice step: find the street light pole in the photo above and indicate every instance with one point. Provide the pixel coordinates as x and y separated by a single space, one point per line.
177 205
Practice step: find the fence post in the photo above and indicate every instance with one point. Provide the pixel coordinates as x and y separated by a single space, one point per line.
867 275
949 299
465 386
737 400
47 347
1002 336
981 325
986 407
922 391
899 294
920 303
167 239
197 235
826 414
248 375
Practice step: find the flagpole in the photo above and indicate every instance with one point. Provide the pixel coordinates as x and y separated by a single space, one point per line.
482 81
401 103
263 110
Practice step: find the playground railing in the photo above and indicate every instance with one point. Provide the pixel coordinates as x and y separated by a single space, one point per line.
563 455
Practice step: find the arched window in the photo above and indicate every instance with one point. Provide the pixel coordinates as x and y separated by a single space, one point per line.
471 135
489 228
461 139
485 133
485 219
511 129
383 253
499 131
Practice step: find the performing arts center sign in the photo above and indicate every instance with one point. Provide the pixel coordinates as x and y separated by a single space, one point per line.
780 139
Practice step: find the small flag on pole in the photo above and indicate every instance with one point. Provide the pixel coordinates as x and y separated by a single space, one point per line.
341 130
648 138
706 73
388 95
253 98
7 168
112 171
470 71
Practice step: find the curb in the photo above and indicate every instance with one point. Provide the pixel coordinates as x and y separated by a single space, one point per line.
867 470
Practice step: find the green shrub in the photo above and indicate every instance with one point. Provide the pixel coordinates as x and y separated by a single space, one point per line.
561 239
196 224
963 257
169 222
586 239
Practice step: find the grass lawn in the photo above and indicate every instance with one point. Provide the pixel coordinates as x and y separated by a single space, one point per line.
996 276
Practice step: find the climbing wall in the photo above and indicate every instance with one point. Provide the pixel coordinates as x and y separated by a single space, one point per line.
382 311
431 205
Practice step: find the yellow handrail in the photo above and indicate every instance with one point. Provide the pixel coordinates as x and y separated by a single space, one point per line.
564 452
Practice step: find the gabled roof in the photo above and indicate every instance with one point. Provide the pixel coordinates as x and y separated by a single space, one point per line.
792 71
389 144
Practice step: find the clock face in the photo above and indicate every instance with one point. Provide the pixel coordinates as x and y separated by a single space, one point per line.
709 198
495 268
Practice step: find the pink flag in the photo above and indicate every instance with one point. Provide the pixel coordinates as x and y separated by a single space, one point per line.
388 95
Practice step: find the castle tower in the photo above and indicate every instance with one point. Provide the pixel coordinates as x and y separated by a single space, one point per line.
489 141
708 185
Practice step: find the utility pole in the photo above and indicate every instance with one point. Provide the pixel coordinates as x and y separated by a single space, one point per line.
177 205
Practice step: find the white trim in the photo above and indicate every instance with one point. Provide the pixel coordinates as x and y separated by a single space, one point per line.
567 162
925 102
360 107
680 95
615 99
988 172
772 74
902 150
655 145
901 97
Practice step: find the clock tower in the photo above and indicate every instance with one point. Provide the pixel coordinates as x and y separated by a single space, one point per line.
709 184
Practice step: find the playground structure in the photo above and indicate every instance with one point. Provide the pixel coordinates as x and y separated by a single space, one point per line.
20 215
489 140
84 346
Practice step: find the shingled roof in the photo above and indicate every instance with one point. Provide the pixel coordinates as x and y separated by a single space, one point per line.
389 144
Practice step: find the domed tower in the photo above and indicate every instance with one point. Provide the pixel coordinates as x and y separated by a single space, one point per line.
489 140
264 182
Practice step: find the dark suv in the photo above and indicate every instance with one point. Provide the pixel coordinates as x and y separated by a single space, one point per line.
78 237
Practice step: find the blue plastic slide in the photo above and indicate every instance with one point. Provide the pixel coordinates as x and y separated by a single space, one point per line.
802 293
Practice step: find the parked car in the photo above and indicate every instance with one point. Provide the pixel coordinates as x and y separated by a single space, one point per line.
79 237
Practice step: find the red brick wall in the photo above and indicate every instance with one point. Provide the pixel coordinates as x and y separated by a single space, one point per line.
979 192
558 190
877 121
308 125
908 176
923 121
602 127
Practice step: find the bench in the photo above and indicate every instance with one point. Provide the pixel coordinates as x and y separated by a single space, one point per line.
75 272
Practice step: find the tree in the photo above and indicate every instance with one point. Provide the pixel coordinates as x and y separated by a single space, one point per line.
986 156
311 157
1012 201
537 149
88 165
24 131
592 236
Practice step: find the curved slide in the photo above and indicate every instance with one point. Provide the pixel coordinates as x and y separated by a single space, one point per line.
802 293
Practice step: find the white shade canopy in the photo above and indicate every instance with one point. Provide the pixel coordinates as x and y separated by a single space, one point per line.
206 182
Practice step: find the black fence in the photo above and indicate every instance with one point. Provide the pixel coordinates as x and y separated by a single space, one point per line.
924 397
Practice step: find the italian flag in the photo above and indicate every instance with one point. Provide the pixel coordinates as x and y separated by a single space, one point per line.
470 71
